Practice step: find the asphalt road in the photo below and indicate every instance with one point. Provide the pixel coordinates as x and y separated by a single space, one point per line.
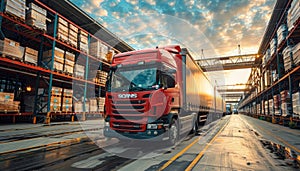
231 143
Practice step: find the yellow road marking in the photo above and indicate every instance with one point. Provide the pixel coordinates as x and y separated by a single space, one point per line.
178 154
199 156
280 139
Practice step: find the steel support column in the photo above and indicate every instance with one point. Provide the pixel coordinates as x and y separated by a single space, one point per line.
51 68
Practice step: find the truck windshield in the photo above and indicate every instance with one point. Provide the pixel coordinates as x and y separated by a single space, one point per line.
133 79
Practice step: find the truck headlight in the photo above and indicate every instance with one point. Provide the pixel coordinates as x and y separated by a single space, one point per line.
151 126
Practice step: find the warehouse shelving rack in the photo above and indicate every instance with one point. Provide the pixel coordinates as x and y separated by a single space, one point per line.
48 77
286 80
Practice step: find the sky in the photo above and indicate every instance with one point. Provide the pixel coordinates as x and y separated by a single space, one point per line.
216 26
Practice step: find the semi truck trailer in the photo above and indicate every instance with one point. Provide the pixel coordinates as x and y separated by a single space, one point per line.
158 94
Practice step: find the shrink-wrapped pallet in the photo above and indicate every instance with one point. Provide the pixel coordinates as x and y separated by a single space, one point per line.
293 14
83 41
287 58
273 46
93 107
79 71
296 104
296 54
282 33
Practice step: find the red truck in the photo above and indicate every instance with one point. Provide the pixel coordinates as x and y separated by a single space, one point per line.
158 94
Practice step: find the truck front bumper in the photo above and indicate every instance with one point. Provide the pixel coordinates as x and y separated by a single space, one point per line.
151 135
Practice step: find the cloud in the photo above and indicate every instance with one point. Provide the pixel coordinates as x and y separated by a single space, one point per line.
222 23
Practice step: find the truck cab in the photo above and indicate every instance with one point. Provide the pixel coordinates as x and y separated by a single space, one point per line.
143 95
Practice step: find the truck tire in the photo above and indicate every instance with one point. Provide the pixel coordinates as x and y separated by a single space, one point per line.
173 132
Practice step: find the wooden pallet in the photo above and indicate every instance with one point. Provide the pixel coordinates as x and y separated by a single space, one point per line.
13 16
11 57
9 111
30 63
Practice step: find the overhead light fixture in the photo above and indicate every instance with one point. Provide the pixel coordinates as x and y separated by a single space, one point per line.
28 88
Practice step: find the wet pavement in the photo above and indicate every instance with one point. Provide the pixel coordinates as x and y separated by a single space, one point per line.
231 143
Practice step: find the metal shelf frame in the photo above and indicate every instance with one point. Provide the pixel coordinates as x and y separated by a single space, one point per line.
48 76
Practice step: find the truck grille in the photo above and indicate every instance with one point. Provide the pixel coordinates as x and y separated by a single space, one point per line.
128 115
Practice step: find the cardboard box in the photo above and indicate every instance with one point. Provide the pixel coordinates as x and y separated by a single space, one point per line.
6 97
56 91
69 69
30 55
63 22
67 92
70 56
67 100
67 108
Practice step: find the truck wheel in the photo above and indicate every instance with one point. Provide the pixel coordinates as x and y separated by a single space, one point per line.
173 133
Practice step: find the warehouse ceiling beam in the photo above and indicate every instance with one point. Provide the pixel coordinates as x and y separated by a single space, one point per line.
232 95
234 90
228 62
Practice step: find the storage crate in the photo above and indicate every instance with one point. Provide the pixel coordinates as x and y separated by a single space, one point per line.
30 55
12 49
36 17
70 56
69 69
16 8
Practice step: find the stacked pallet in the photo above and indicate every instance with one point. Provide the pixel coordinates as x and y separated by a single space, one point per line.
287 58
58 63
276 104
62 30
79 71
293 14
69 63
267 78
83 41
266 57
296 105
285 103
30 56
67 100
296 54
101 101
16 8
282 33
273 46
87 106
12 49
78 107
109 55
93 106
266 108
36 17
271 112
55 101
101 77
7 103
73 35
98 50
